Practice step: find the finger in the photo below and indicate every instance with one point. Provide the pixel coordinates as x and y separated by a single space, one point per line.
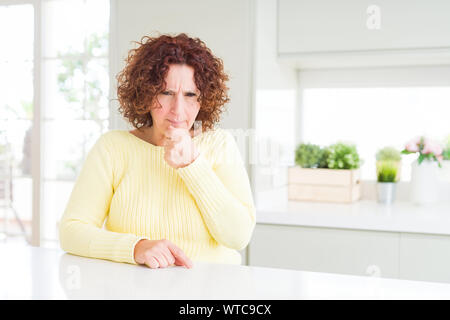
162 261
170 129
173 133
176 133
177 155
173 140
173 144
151 262
167 137
169 144
169 256
174 149
172 153
180 258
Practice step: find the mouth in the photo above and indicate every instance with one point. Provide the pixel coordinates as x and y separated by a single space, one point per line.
176 123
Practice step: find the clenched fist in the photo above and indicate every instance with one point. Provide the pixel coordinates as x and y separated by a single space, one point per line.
179 148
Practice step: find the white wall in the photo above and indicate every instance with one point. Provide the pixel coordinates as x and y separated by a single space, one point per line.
275 100
225 27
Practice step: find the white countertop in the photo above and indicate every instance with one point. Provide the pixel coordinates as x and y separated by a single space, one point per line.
362 215
38 273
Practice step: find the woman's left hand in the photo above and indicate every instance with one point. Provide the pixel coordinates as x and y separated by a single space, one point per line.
179 148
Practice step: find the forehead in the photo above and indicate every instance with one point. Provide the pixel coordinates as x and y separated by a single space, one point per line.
180 75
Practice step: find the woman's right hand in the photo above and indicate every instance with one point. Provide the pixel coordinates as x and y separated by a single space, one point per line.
160 254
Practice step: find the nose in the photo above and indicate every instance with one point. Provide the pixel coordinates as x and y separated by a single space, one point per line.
178 106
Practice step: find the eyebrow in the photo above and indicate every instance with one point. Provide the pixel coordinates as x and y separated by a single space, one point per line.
186 91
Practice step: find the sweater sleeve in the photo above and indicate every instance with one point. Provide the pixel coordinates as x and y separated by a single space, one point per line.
81 228
223 194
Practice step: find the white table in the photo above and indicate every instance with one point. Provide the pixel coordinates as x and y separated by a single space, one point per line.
39 273
400 216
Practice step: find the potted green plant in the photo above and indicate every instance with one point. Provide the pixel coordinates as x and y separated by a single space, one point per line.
446 152
308 155
389 154
446 159
331 173
387 177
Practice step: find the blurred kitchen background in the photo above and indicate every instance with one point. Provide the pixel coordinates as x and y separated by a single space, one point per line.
310 81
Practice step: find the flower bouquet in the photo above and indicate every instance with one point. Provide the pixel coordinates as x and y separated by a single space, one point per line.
424 172
427 149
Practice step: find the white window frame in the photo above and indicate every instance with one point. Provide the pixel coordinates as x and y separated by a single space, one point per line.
36 122
36 153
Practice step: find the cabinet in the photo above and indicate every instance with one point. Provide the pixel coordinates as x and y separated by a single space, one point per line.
425 257
348 25
325 250
359 33
410 256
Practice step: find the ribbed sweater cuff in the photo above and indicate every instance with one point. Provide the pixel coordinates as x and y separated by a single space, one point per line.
119 248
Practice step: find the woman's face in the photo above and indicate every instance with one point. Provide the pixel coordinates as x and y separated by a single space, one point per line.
178 103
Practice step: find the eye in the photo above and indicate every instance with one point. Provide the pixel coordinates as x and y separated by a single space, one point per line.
166 93
191 94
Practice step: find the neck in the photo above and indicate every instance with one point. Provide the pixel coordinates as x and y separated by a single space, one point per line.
155 136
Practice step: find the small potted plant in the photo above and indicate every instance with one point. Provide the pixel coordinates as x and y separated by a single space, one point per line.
388 167
446 152
424 171
389 154
387 178
329 174
446 159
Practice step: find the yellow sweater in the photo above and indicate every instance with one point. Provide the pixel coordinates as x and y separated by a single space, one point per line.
126 192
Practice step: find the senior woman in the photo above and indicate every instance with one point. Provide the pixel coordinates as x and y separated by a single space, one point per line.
164 194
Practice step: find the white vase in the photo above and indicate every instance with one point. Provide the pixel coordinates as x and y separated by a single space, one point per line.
386 192
424 182
445 171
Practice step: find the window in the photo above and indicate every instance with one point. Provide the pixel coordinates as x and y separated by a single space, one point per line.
16 116
75 96
73 105
374 108
373 118
275 128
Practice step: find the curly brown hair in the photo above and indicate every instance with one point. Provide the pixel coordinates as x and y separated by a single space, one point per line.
142 79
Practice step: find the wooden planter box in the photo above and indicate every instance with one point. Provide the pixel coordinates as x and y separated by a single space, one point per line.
324 185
